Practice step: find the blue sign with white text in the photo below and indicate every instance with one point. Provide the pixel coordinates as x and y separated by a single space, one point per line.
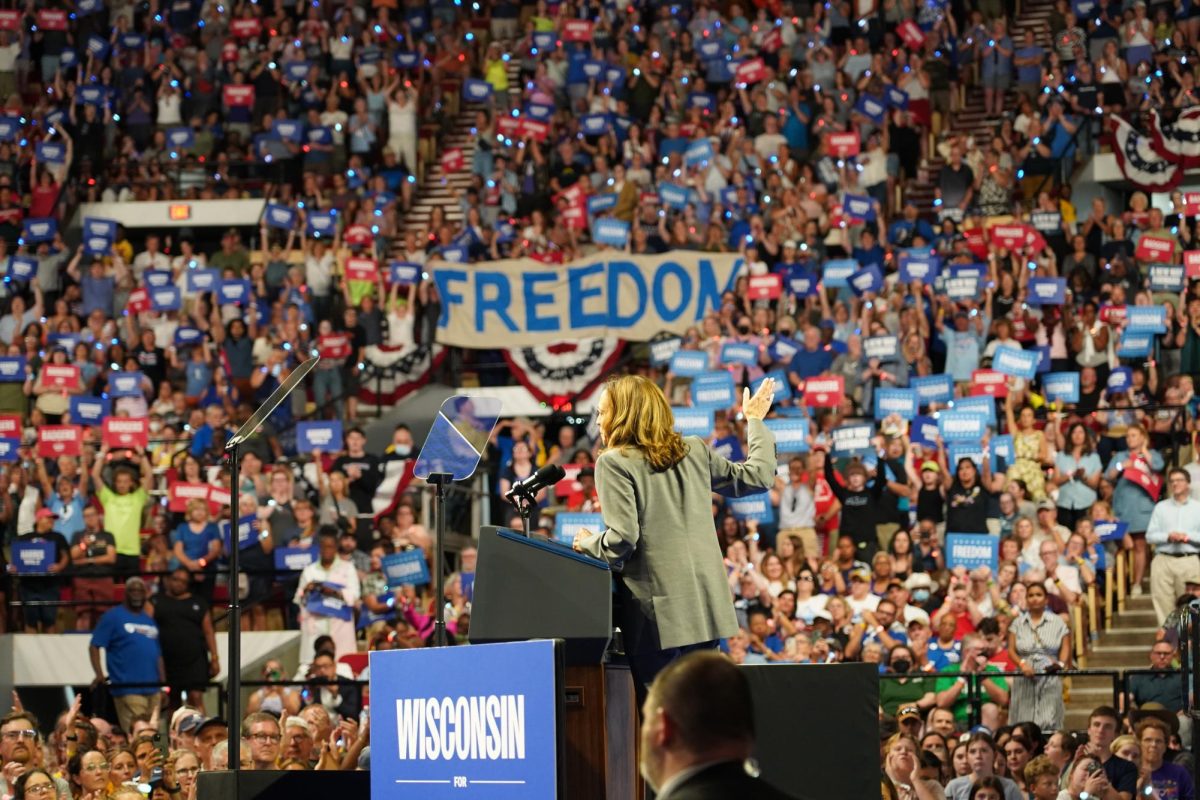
323 435
693 421
406 569
972 550
566 525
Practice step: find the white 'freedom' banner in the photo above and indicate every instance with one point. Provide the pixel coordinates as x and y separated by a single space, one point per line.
520 303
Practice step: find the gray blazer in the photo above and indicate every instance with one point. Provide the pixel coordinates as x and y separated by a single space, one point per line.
661 540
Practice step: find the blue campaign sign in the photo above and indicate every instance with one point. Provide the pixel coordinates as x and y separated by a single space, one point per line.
698 152
595 124
22 268
289 130
567 524
9 128
802 284
202 280
235 291
540 112
756 507
673 196
961 288
1146 318
871 108
713 390
12 369
711 49
10 449
783 388
1016 362
405 273
599 203
858 207
32 557
612 232
296 70
1002 450
895 401
433 737
923 431
279 216
39 229
1120 380
1111 531
1061 387
836 274
663 350
739 353
294 559
91 95
896 98
962 426
1047 291
689 363
957 451
851 440
791 435
933 388
919 268
406 569
125 384
188 336
476 90
973 550
867 279
180 138
976 270
51 152
983 404
329 605
95 227
97 46
884 348
87 410
322 223
246 537
1167 277
1135 344
165 298
323 435
156 278
783 348
693 421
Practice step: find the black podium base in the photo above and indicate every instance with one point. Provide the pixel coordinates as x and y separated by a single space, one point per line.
283 785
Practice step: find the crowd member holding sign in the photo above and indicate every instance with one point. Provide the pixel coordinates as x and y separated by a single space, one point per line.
327 595
654 488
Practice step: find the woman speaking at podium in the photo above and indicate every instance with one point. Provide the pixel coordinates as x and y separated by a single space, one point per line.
655 488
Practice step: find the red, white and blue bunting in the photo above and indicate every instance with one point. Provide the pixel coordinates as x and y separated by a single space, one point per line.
1141 163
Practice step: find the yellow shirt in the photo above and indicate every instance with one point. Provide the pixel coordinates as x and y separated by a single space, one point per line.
496 73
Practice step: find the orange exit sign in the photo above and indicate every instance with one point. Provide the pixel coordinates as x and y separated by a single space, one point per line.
180 211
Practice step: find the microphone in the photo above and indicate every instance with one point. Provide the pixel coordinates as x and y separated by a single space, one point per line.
546 476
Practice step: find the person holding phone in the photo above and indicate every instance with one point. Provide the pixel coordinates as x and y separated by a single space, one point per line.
655 489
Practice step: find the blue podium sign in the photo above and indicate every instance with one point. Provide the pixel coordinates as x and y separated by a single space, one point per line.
451 721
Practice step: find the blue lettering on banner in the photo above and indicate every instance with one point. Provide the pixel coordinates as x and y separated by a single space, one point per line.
10 449
1135 344
884 348
434 739
1015 362
783 388
1166 277
983 404
406 569
246 535
895 401
836 274
961 426
713 390
329 605
125 384
1146 318
1111 531
851 440
756 507
325 435
791 435
294 559
87 410
12 369
739 353
689 363
567 524
933 388
972 550
32 557
693 421
202 280
1061 387
1047 291
612 232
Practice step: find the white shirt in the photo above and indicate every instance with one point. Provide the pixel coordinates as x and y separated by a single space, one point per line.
868 603
318 274
796 507
339 571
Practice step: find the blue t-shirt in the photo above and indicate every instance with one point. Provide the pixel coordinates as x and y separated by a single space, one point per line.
198 377
942 657
195 545
70 515
810 364
130 642
1030 74
97 294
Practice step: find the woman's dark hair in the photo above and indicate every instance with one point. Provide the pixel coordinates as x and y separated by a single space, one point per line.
1089 444
1031 732
990 782
958 466
75 765
980 736
19 785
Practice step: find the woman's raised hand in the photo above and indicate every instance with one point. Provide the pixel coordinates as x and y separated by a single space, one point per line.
756 407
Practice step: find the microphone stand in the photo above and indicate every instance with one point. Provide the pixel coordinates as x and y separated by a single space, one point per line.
524 505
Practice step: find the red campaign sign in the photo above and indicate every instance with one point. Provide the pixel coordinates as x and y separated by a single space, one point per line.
1012 237
975 242
63 376
52 19
1191 204
989 382
824 392
1191 261
572 207
765 287
125 433
219 497
508 127
334 345
772 40
245 28
843 145
362 269
551 257
1113 315
577 30
911 34
570 483
10 20
238 95
452 160
180 492
534 129
139 301
358 235
1140 473
10 426
1156 248
59 440
750 71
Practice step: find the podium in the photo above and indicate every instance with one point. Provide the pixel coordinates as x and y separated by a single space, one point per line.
534 588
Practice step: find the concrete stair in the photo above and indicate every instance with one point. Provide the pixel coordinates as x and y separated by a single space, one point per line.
1126 646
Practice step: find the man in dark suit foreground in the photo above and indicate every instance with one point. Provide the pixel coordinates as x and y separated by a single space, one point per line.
698 732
